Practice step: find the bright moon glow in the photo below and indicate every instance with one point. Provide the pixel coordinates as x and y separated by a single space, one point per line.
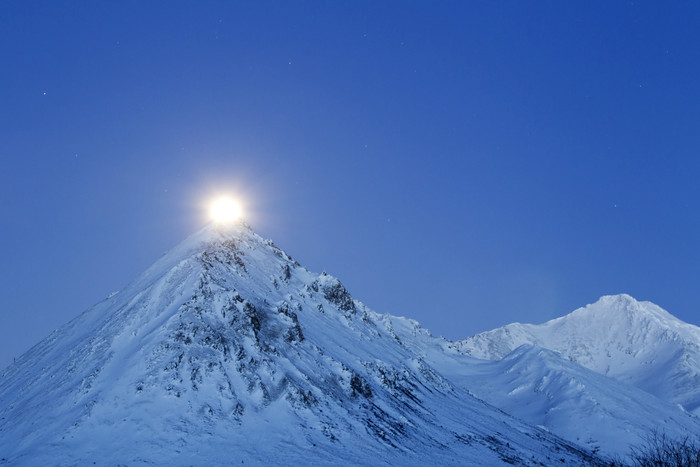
225 210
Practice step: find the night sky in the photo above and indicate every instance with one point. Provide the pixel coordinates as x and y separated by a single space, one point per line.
466 164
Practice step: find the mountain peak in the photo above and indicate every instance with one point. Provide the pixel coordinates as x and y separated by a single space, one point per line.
622 299
212 233
613 305
624 307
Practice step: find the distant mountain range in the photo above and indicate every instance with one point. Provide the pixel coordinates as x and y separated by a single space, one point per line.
227 351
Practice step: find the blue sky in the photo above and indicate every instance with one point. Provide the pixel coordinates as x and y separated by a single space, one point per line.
466 164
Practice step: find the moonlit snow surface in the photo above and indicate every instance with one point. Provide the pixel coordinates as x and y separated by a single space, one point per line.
227 351
543 388
619 367
637 343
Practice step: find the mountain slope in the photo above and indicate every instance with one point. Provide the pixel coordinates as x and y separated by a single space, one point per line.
580 405
637 343
227 351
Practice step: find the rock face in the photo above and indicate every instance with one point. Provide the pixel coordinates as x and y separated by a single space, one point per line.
637 343
227 351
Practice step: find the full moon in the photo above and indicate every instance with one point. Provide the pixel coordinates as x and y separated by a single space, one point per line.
225 210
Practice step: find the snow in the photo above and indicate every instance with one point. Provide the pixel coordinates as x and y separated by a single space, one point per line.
580 405
634 342
226 351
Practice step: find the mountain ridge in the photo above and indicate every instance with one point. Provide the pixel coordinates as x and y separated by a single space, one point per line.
543 388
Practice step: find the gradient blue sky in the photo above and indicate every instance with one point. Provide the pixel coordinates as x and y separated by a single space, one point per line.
466 164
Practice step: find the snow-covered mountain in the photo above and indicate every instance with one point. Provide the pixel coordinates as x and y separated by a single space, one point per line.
637 343
544 389
228 351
